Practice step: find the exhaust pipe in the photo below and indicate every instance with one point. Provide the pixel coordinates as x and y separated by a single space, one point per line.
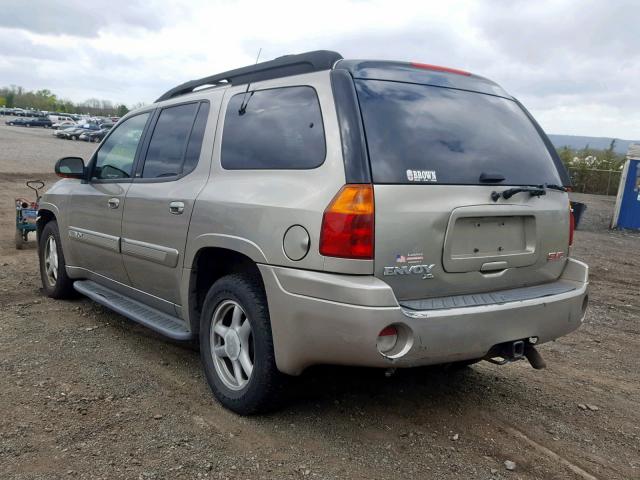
534 357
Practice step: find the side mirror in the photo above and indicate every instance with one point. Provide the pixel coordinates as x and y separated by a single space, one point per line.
70 167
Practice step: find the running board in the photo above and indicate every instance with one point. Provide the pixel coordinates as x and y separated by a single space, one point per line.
161 322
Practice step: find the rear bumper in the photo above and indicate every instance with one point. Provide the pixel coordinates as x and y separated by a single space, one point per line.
340 323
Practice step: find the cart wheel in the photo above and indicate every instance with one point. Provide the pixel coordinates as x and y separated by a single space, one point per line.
19 239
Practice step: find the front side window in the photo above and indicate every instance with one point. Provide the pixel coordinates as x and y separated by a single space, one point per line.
115 158
279 128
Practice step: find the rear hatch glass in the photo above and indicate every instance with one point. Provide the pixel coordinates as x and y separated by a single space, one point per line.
438 232
423 133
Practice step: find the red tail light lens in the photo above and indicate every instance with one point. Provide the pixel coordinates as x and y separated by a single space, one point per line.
572 224
347 224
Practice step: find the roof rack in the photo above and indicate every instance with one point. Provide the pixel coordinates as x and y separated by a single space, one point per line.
279 67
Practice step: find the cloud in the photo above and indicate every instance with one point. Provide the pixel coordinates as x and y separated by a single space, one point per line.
80 18
574 63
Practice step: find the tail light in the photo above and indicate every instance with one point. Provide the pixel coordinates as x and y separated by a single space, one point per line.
347 224
572 224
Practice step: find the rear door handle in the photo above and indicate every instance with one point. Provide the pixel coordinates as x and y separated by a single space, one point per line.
176 208
113 202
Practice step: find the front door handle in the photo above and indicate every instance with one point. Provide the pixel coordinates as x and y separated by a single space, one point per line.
176 208
113 202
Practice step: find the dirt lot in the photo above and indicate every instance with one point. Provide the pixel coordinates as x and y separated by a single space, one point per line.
84 393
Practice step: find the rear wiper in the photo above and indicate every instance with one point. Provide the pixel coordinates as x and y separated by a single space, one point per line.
507 194
554 187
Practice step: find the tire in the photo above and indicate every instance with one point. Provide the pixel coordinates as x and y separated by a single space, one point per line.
226 372
55 282
19 239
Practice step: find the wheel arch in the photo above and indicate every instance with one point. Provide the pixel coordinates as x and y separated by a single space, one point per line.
45 215
207 265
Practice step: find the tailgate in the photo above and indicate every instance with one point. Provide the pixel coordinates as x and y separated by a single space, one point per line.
428 245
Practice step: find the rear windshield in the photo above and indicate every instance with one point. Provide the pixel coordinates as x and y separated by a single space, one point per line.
426 134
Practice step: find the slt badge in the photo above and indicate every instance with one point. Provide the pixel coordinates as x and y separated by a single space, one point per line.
424 270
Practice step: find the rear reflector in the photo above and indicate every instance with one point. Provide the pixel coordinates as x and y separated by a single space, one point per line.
387 339
347 224
438 68
572 224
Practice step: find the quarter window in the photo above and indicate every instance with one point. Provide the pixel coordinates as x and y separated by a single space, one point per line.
195 140
115 158
279 128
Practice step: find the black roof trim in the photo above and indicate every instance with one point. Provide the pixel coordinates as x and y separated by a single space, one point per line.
279 67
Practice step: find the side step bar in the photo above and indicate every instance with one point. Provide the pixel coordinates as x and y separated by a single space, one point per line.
161 322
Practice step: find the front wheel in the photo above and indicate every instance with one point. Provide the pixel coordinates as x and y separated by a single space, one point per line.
236 345
55 282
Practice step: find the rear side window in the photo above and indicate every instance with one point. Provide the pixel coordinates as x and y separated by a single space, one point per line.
175 145
426 134
280 128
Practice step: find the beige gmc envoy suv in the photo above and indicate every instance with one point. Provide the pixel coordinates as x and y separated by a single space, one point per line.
315 210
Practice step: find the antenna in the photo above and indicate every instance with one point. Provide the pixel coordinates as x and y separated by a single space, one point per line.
243 105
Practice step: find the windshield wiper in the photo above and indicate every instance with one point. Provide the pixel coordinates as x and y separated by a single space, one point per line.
507 194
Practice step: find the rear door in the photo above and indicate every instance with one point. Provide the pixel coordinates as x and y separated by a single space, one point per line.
439 157
160 200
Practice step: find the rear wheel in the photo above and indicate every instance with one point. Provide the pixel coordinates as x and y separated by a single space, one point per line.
20 239
236 345
53 274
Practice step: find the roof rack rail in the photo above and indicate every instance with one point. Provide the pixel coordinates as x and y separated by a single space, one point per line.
279 67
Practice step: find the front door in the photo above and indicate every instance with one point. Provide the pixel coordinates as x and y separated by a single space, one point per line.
95 215
160 200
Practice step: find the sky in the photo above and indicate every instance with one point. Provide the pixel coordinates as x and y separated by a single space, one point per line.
575 64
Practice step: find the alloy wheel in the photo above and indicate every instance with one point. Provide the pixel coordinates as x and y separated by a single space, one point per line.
232 347
51 260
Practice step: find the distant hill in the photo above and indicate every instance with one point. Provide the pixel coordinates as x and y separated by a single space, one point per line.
600 143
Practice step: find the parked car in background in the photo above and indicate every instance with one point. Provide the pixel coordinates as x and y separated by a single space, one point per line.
64 131
15 121
64 124
60 118
30 122
73 133
94 136
37 122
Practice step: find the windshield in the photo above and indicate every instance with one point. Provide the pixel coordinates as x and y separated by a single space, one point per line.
426 134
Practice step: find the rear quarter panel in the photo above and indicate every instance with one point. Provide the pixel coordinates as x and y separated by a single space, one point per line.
254 208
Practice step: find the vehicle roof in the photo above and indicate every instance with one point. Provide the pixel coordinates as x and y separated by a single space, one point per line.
319 60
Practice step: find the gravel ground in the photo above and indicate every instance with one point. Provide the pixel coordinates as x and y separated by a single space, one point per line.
85 393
